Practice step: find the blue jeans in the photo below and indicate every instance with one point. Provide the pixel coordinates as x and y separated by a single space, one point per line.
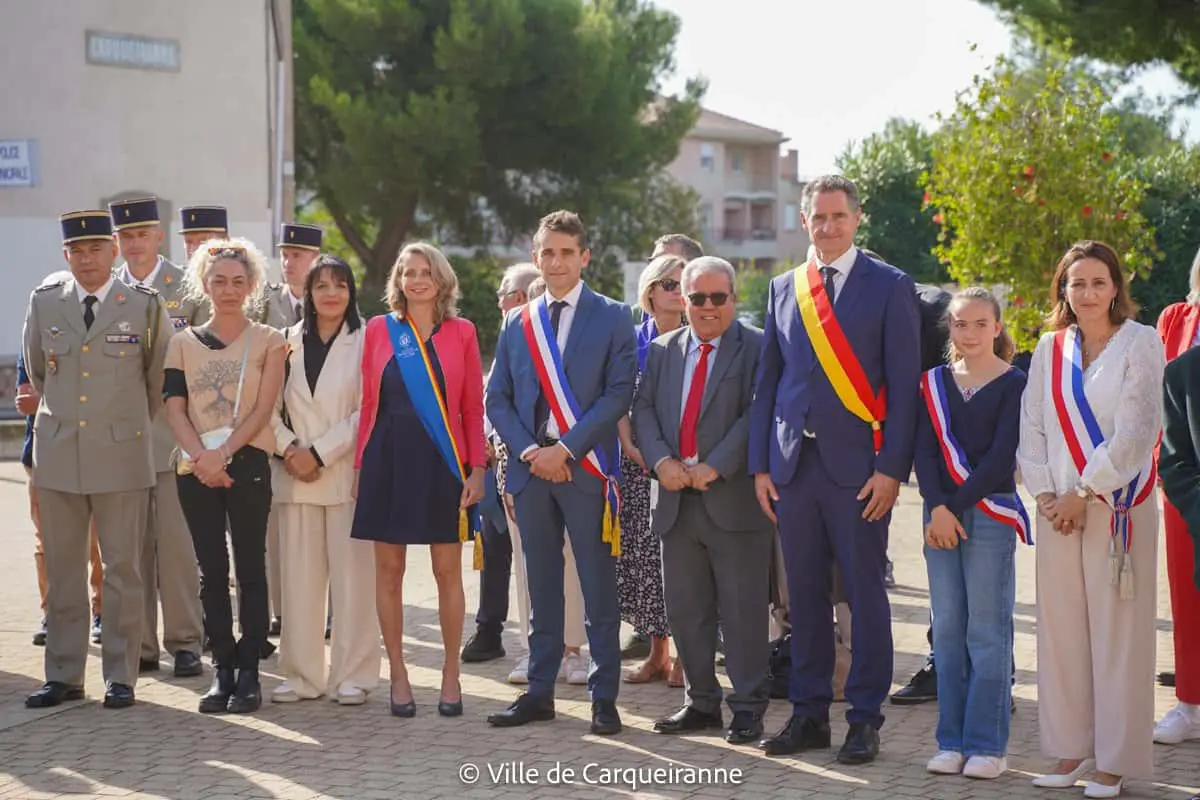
972 589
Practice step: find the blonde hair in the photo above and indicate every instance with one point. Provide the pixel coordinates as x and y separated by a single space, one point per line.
446 304
214 250
1003 346
655 271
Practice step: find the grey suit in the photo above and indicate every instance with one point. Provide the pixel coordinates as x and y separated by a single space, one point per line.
100 388
717 544
169 568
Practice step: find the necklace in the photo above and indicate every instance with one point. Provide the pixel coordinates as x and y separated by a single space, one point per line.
1093 349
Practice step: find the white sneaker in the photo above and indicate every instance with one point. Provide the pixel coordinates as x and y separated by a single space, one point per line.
285 693
1178 725
520 673
575 668
351 696
945 762
985 767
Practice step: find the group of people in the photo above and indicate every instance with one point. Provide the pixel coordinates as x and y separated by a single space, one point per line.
653 471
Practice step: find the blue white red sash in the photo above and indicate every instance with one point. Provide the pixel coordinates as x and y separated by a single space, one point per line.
1083 435
547 362
1003 508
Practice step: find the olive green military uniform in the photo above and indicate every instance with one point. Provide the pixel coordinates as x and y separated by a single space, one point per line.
100 386
169 569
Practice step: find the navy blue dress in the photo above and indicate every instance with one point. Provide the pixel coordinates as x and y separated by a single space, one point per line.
406 493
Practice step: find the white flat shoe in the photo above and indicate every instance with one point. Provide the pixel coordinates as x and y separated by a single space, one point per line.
1068 779
284 694
945 762
1094 789
985 768
351 696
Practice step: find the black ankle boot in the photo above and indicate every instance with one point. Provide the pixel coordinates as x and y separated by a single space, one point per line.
217 699
247 694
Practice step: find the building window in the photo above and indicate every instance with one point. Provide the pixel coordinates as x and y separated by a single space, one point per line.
736 158
707 156
789 217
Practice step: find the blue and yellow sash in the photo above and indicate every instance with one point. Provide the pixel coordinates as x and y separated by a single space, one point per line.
419 379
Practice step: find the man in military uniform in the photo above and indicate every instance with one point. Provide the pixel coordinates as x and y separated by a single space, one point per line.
299 248
198 224
94 349
169 568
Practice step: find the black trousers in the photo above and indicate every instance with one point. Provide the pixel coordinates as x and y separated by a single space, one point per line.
494 579
242 509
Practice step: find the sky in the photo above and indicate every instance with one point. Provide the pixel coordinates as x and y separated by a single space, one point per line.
826 72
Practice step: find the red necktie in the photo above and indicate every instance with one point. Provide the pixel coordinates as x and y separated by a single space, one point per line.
691 409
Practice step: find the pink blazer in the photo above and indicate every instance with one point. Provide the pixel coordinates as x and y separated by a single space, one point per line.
458 351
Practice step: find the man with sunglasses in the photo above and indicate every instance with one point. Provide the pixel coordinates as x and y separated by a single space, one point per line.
169 567
692 422
832 431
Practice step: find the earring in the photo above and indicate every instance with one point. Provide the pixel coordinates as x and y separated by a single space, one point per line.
1113 305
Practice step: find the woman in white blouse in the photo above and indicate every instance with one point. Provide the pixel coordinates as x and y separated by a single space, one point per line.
1091 416
316 429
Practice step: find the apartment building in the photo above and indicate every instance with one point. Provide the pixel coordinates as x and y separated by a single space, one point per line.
749 207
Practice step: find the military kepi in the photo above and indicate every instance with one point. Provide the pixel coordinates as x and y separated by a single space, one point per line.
294 234
134 213
203 219
80 225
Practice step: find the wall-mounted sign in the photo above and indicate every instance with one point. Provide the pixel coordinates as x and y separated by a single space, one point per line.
16 164
137 52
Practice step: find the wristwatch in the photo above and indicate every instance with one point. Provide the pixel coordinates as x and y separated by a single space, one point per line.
1084 492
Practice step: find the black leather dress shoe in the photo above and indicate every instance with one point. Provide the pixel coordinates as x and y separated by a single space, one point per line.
118 695
605 719
688 719
800 734
745 728
147 665
483 646
52 694
525 709
247 693
216 701
921 688
861 746
187 664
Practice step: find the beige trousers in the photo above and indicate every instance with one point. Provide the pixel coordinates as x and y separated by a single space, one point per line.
574 633
316 556
1095 650
171 574
121 526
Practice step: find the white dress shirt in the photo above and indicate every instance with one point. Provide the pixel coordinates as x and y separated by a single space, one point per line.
124 274
843 264
100 294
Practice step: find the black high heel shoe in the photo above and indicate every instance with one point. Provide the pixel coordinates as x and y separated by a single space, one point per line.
448 709
408 709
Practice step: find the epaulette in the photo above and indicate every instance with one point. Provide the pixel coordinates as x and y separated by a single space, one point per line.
150 290
48 286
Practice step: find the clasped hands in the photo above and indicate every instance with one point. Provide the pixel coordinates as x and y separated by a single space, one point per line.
880 491
549 463
301 464
209 469
674 475
1066 512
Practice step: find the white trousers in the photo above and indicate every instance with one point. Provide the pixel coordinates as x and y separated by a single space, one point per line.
318 559
574 633
1095 650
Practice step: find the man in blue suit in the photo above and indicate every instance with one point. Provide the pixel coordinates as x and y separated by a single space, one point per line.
558 441
831 439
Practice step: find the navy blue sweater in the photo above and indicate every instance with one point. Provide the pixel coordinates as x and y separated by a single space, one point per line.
27 450
988 428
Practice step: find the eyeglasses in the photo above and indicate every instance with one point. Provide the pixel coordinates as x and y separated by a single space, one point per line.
701 298
500 295
668 284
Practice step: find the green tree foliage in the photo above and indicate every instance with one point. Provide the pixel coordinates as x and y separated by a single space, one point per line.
887 169
1172 206
466 120
1028 163
1130 32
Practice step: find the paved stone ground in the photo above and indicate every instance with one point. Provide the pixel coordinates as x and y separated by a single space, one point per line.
163 748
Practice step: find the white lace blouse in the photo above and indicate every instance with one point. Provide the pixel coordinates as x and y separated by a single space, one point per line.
1124 388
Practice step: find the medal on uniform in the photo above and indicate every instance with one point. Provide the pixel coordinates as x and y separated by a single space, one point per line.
52 364
124 326
54 331
168 280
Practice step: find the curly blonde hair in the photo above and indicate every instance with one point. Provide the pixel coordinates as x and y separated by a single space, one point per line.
446 305
237 249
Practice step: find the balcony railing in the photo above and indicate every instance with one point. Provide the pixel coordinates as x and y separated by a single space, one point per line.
738 235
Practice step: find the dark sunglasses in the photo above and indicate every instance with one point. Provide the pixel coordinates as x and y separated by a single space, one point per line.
668 284
701 298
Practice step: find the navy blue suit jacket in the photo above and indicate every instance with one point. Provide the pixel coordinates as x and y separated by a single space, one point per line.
877 310
600 361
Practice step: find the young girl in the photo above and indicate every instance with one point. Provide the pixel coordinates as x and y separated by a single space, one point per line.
965 462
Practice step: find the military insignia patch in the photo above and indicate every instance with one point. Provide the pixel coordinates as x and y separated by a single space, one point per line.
172 304
120 298
122 338
55 331
179 323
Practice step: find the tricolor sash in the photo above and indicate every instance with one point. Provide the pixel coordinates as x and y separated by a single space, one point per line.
1000 507
547 362
834 353
419 379
1083 435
